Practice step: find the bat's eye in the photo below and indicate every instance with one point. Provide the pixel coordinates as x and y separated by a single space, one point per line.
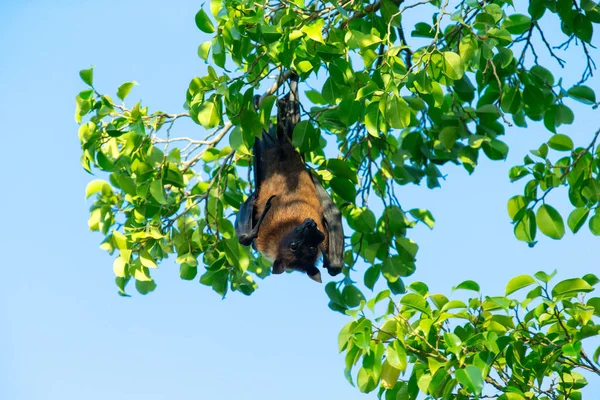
313 250
294 246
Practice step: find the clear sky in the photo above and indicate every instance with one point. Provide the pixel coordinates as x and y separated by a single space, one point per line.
66 334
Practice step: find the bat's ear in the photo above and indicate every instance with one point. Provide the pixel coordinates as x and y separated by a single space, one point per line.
278 266
316 277
314 274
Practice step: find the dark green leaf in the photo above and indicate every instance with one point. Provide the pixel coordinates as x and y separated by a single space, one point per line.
582 93
352 296
344 188
517 24
582 27
536 9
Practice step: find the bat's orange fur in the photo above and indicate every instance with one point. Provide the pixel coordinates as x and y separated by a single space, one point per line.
296 199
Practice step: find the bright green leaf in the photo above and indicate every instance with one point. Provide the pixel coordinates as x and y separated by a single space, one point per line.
550 222
518 282
203 22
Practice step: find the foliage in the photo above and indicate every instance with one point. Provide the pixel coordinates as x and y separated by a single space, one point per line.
526 348
397 112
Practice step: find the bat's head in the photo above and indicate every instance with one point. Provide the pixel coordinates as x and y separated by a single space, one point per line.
299 250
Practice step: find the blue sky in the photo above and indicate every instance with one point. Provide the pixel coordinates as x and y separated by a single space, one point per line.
65 334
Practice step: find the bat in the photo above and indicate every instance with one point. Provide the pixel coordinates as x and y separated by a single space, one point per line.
289 218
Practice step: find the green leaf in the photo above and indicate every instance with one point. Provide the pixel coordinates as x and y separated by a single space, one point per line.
416 301
453 66
511 396
344 188
397 113
448 137
517 24
594 224
544 277
87 76
516 204
518 282
592 279
156 190
147 260
330 91
96 186
423 216
452 340
333 293
468 285
203 50
371 276
315 30
120 267
208 115
525 229
471 377
560 142
577 218
591 190
395 355
595 302
145 287
352 296
266 106
187 272
305 136
495 149
511 100
582 27
574 285
124 89
372 117
541 75
583 94
389 375
550 222
341 168
536 9
204 23
362 219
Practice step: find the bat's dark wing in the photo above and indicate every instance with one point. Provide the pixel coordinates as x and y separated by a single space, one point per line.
261 152
333 258
245 221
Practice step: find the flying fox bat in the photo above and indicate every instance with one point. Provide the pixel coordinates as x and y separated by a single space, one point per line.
289 218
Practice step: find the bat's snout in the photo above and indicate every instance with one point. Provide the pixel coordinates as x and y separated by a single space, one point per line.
309 223
309 231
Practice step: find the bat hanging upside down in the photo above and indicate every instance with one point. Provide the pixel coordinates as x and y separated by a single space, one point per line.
290 218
